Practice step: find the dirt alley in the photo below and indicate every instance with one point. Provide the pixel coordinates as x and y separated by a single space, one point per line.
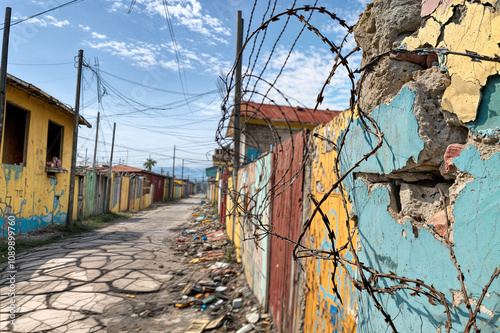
125 277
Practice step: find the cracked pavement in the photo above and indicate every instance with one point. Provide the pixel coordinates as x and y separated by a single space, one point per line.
118 278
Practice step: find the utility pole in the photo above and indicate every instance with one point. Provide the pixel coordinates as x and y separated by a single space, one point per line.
173 166
173 177
96 137
182 177
237 110
110 166
76 120
86 157
3 68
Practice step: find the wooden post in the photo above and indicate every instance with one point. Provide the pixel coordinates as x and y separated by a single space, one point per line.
3 68
182 180
237 111
76 120
96 138
110 183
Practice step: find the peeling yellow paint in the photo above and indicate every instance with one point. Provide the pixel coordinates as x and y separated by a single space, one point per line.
324 312
430 34
26 191
478 31
233 225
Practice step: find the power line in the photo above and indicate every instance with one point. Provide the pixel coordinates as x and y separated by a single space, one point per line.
44 12
53 64
153 88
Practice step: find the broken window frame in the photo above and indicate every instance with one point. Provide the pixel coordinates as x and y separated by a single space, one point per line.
7 159
61 141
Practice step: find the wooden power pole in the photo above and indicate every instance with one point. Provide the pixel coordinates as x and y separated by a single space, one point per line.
109 169
96 138
76 120
237 112
3 68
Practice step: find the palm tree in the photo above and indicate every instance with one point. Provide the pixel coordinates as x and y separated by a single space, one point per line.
149 163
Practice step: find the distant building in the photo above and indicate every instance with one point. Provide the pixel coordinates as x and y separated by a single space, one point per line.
36 151
161 184
265 125
222 156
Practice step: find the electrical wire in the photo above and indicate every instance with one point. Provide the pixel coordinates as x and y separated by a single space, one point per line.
72 2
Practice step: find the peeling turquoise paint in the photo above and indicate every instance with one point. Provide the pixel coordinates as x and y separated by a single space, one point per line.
401 140
259 191
477 249
476 233
8 169
487 123
34 222
386 249
389 246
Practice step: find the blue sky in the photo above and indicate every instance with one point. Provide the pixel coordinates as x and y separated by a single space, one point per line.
163 93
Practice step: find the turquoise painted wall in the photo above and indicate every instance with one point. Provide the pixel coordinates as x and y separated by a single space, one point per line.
389 246
260 191
487 123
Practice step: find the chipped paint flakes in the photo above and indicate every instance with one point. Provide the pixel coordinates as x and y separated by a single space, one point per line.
478 30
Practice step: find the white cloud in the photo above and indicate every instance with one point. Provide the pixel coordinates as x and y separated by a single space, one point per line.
84 27
48 21
142 54
98 36
151 56
117 6
190 14
303 78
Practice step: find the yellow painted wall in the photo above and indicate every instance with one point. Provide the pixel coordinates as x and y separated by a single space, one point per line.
32 196
137 202
462 97
233 226
323 311
146 200
229 209
124 193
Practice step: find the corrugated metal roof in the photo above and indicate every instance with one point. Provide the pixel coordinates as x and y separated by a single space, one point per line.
39 93
286 113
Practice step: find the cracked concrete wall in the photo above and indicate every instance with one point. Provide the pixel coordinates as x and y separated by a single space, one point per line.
461 26
441 132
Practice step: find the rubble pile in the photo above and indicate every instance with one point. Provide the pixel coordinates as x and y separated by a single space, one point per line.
222 293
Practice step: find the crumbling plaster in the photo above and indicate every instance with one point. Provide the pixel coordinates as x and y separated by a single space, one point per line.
462 26
440 127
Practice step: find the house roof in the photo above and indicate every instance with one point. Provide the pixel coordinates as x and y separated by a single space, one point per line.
125 168
278 113
39 93
129 169
286 113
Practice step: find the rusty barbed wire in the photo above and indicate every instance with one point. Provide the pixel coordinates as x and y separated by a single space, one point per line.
368 278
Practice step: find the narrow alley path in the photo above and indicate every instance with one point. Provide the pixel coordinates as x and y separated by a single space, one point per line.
116 279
